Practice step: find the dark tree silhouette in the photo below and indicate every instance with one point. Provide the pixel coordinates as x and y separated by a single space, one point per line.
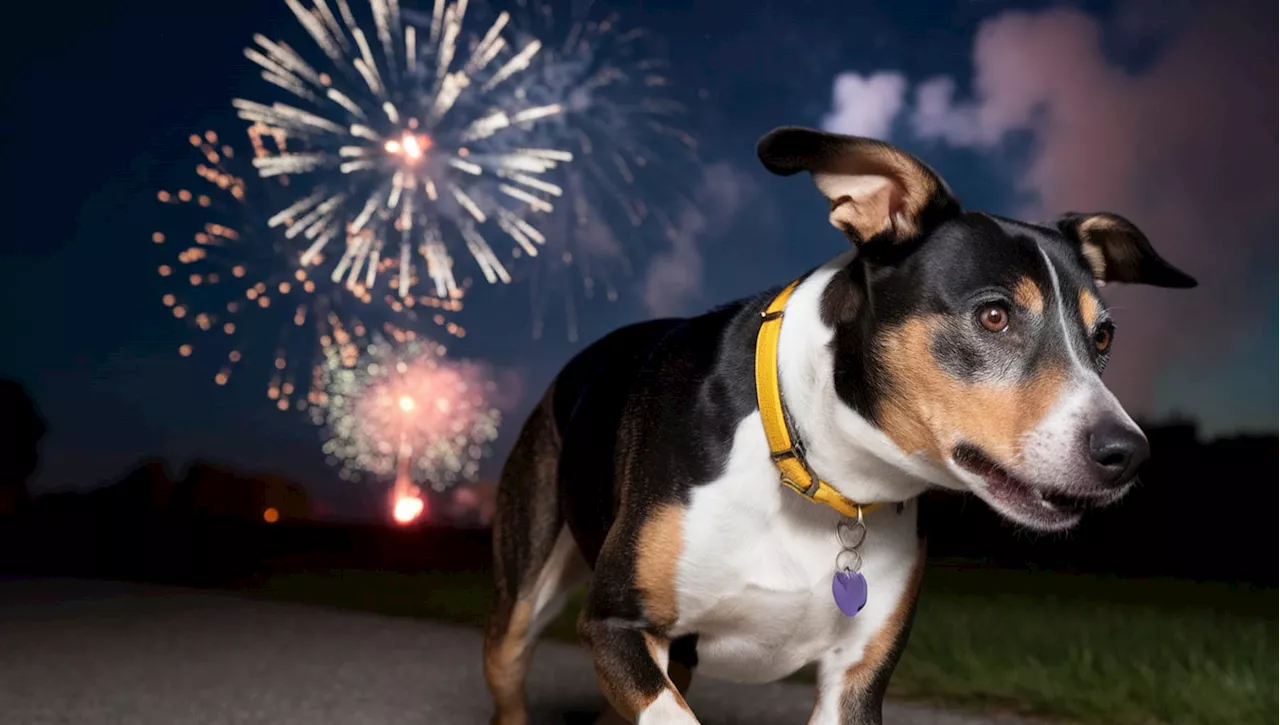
21 428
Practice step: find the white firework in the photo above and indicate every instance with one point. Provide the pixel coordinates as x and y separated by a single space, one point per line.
407 146
622 109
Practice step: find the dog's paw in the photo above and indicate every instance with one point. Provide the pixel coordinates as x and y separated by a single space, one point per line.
667 709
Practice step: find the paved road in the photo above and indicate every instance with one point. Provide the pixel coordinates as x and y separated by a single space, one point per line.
98 653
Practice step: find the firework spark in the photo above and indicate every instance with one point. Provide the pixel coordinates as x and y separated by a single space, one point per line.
634 166
414 144
408 507
395 406
240 287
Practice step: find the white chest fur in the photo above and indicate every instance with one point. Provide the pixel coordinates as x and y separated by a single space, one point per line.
754 575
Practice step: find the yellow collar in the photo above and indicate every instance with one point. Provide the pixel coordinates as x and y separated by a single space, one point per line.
795 471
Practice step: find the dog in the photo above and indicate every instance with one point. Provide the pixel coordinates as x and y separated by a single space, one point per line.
741 489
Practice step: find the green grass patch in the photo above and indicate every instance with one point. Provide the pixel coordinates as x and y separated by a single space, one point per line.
1094 649
1071 647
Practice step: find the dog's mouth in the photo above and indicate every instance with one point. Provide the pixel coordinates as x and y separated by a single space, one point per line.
1022 501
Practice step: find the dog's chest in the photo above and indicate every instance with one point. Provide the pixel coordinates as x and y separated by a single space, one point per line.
754 575
759 597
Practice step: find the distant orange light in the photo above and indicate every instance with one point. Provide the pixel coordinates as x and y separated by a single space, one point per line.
270 515
408 508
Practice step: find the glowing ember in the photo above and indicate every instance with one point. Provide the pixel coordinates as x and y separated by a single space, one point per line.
408 508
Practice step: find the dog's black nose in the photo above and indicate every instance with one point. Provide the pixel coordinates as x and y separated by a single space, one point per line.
1117 450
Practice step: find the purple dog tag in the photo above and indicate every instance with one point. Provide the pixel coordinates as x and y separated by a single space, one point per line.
850 591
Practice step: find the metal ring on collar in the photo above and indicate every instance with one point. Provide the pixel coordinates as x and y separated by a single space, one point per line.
851 534
848 560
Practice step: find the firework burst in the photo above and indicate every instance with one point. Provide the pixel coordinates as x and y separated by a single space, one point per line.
634 165
408 144
242 289
394 406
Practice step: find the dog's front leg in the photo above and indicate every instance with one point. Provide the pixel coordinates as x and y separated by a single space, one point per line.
854 675
847 697
627 637
631 665
851 690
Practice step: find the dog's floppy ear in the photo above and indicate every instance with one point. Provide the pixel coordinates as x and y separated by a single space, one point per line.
1117 251
877 192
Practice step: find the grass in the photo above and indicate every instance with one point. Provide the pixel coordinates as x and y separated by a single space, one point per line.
1094 650
1068 647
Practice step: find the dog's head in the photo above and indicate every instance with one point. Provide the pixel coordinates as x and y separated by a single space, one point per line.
973 340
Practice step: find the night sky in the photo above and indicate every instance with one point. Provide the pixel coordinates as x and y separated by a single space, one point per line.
1162 112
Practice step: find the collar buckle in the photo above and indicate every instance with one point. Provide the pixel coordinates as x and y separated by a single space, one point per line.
794 485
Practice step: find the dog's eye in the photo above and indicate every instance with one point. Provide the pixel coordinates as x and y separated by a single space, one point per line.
994 317
1102 338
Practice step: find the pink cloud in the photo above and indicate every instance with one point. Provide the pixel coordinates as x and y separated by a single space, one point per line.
866 105
674 278
1182 148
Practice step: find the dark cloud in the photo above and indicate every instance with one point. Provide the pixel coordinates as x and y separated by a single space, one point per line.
674 279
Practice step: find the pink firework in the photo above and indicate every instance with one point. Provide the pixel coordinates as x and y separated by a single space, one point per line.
401 409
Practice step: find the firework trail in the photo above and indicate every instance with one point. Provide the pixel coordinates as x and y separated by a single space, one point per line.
240 287
407 143
394 406
634 166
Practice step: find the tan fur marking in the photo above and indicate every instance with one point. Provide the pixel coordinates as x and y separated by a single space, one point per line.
657 550
626 705
865 215
1091 247
1026 294
916 186
1093 255
873 189
1089 309
618 700
656 648
930 411
859 677
505 662
1119 261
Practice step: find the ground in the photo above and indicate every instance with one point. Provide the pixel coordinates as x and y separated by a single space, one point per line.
1072 647
1068 647
95 653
